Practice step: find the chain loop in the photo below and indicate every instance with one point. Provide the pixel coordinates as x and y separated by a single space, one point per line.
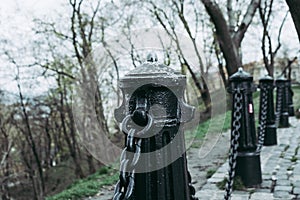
263 119
278 105
129 159
235 134
125 124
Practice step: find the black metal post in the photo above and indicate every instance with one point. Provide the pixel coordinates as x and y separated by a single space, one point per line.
282 102
266 85
248 158
290 100
156 91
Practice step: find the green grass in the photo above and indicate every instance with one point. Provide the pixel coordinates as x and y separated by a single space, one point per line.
215 125
296 100
296 150
237 184
294 159
210 172
89 186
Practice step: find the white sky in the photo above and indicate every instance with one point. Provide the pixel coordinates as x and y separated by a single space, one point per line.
16 24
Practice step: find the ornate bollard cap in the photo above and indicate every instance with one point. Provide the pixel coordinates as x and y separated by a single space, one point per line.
266 78
155 75
266 81
281 79
152 73
239 78
240 75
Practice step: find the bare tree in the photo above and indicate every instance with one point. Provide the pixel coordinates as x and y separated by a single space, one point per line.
268 50
294 6
230 34
38 184
5 149
171 23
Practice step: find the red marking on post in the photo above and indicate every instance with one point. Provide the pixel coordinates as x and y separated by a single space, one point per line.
250 108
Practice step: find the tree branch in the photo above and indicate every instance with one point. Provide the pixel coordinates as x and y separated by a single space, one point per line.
239 35
227 45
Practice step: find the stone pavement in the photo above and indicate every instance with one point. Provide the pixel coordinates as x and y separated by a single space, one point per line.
280 171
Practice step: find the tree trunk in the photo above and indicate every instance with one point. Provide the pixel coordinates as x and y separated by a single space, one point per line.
90 162
30 140
230 41
69 138
294 6
227 45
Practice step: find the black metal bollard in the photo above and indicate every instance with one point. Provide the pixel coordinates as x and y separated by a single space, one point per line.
282 114
266 85
152 113
248 158
290 100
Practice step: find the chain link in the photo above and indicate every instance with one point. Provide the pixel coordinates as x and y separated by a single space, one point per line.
263 118
278 105
235 134
129 160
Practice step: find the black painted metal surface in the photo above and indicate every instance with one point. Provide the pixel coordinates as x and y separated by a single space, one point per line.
266 85
156 90
290 99
282 99
248 159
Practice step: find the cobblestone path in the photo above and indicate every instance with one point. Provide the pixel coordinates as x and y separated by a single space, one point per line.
280 171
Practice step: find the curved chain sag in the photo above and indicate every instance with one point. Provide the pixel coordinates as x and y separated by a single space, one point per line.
235 134
263 119
129 159
278 106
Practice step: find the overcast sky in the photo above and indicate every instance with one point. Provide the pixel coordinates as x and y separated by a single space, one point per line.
16 24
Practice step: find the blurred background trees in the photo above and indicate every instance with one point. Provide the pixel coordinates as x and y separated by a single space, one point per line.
41 151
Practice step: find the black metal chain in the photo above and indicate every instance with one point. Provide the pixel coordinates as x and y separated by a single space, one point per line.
263 119
235 134
278 105
129 159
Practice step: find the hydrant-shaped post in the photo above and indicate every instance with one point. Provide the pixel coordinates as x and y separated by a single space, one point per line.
282 98
266 111
290 100
248 158
152 114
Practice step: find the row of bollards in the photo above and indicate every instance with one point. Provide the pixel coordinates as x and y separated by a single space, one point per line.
244 162
153 112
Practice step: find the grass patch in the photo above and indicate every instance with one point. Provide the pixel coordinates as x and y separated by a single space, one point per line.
297 150
217 124
213 125
294 159
296 97
210 172
89 186
286 147
237 184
